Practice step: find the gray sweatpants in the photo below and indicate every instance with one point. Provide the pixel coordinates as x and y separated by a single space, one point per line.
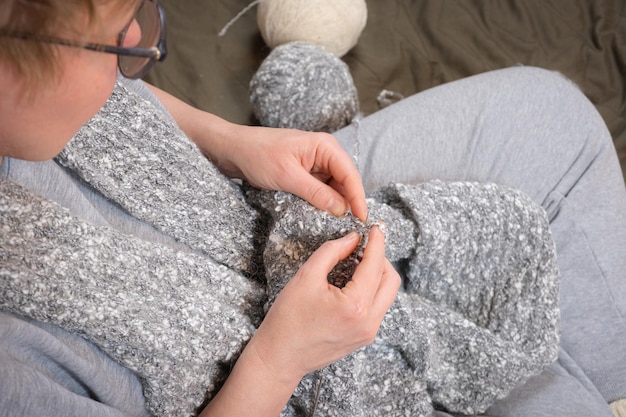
533 130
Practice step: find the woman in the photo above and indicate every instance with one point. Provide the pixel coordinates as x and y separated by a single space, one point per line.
310 324
56 104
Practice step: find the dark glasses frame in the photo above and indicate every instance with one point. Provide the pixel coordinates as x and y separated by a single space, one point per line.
154 54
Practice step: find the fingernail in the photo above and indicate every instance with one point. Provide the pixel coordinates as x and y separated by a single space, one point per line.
336 208
352 236
382 227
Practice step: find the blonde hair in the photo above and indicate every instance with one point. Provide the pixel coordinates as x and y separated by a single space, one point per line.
35 62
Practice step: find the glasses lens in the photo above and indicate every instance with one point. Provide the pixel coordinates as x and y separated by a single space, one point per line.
149 21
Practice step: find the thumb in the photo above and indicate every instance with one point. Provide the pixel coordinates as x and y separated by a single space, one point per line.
321 195
324 259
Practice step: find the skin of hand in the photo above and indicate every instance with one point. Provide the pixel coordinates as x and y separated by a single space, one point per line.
310 325
311 165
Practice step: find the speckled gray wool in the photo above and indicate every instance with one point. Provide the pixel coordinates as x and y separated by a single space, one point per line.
478 316
175 194
173 318
479 313
303 86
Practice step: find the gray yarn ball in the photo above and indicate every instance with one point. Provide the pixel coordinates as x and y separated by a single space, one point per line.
302 86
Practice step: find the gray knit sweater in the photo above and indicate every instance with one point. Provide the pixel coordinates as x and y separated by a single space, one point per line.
478 313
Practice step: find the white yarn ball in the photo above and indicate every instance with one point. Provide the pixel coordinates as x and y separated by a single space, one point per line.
333 24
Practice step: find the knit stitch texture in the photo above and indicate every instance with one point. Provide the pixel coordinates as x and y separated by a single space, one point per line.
478 313
303 86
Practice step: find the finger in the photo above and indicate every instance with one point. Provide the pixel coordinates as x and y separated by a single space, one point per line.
387 290
324 259
319 194
354 193
347 179
336 186
367 276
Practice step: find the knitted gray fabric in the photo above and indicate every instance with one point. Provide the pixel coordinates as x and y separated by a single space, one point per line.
479 314
176 194
171 317
177 319
303 86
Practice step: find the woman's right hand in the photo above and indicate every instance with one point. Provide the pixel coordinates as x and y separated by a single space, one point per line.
310 325
313 323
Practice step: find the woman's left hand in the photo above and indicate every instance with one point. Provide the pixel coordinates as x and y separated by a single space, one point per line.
310 165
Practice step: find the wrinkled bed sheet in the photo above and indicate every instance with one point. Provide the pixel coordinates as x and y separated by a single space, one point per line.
408 46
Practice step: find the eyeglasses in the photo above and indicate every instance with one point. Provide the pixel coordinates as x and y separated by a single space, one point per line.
133 62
